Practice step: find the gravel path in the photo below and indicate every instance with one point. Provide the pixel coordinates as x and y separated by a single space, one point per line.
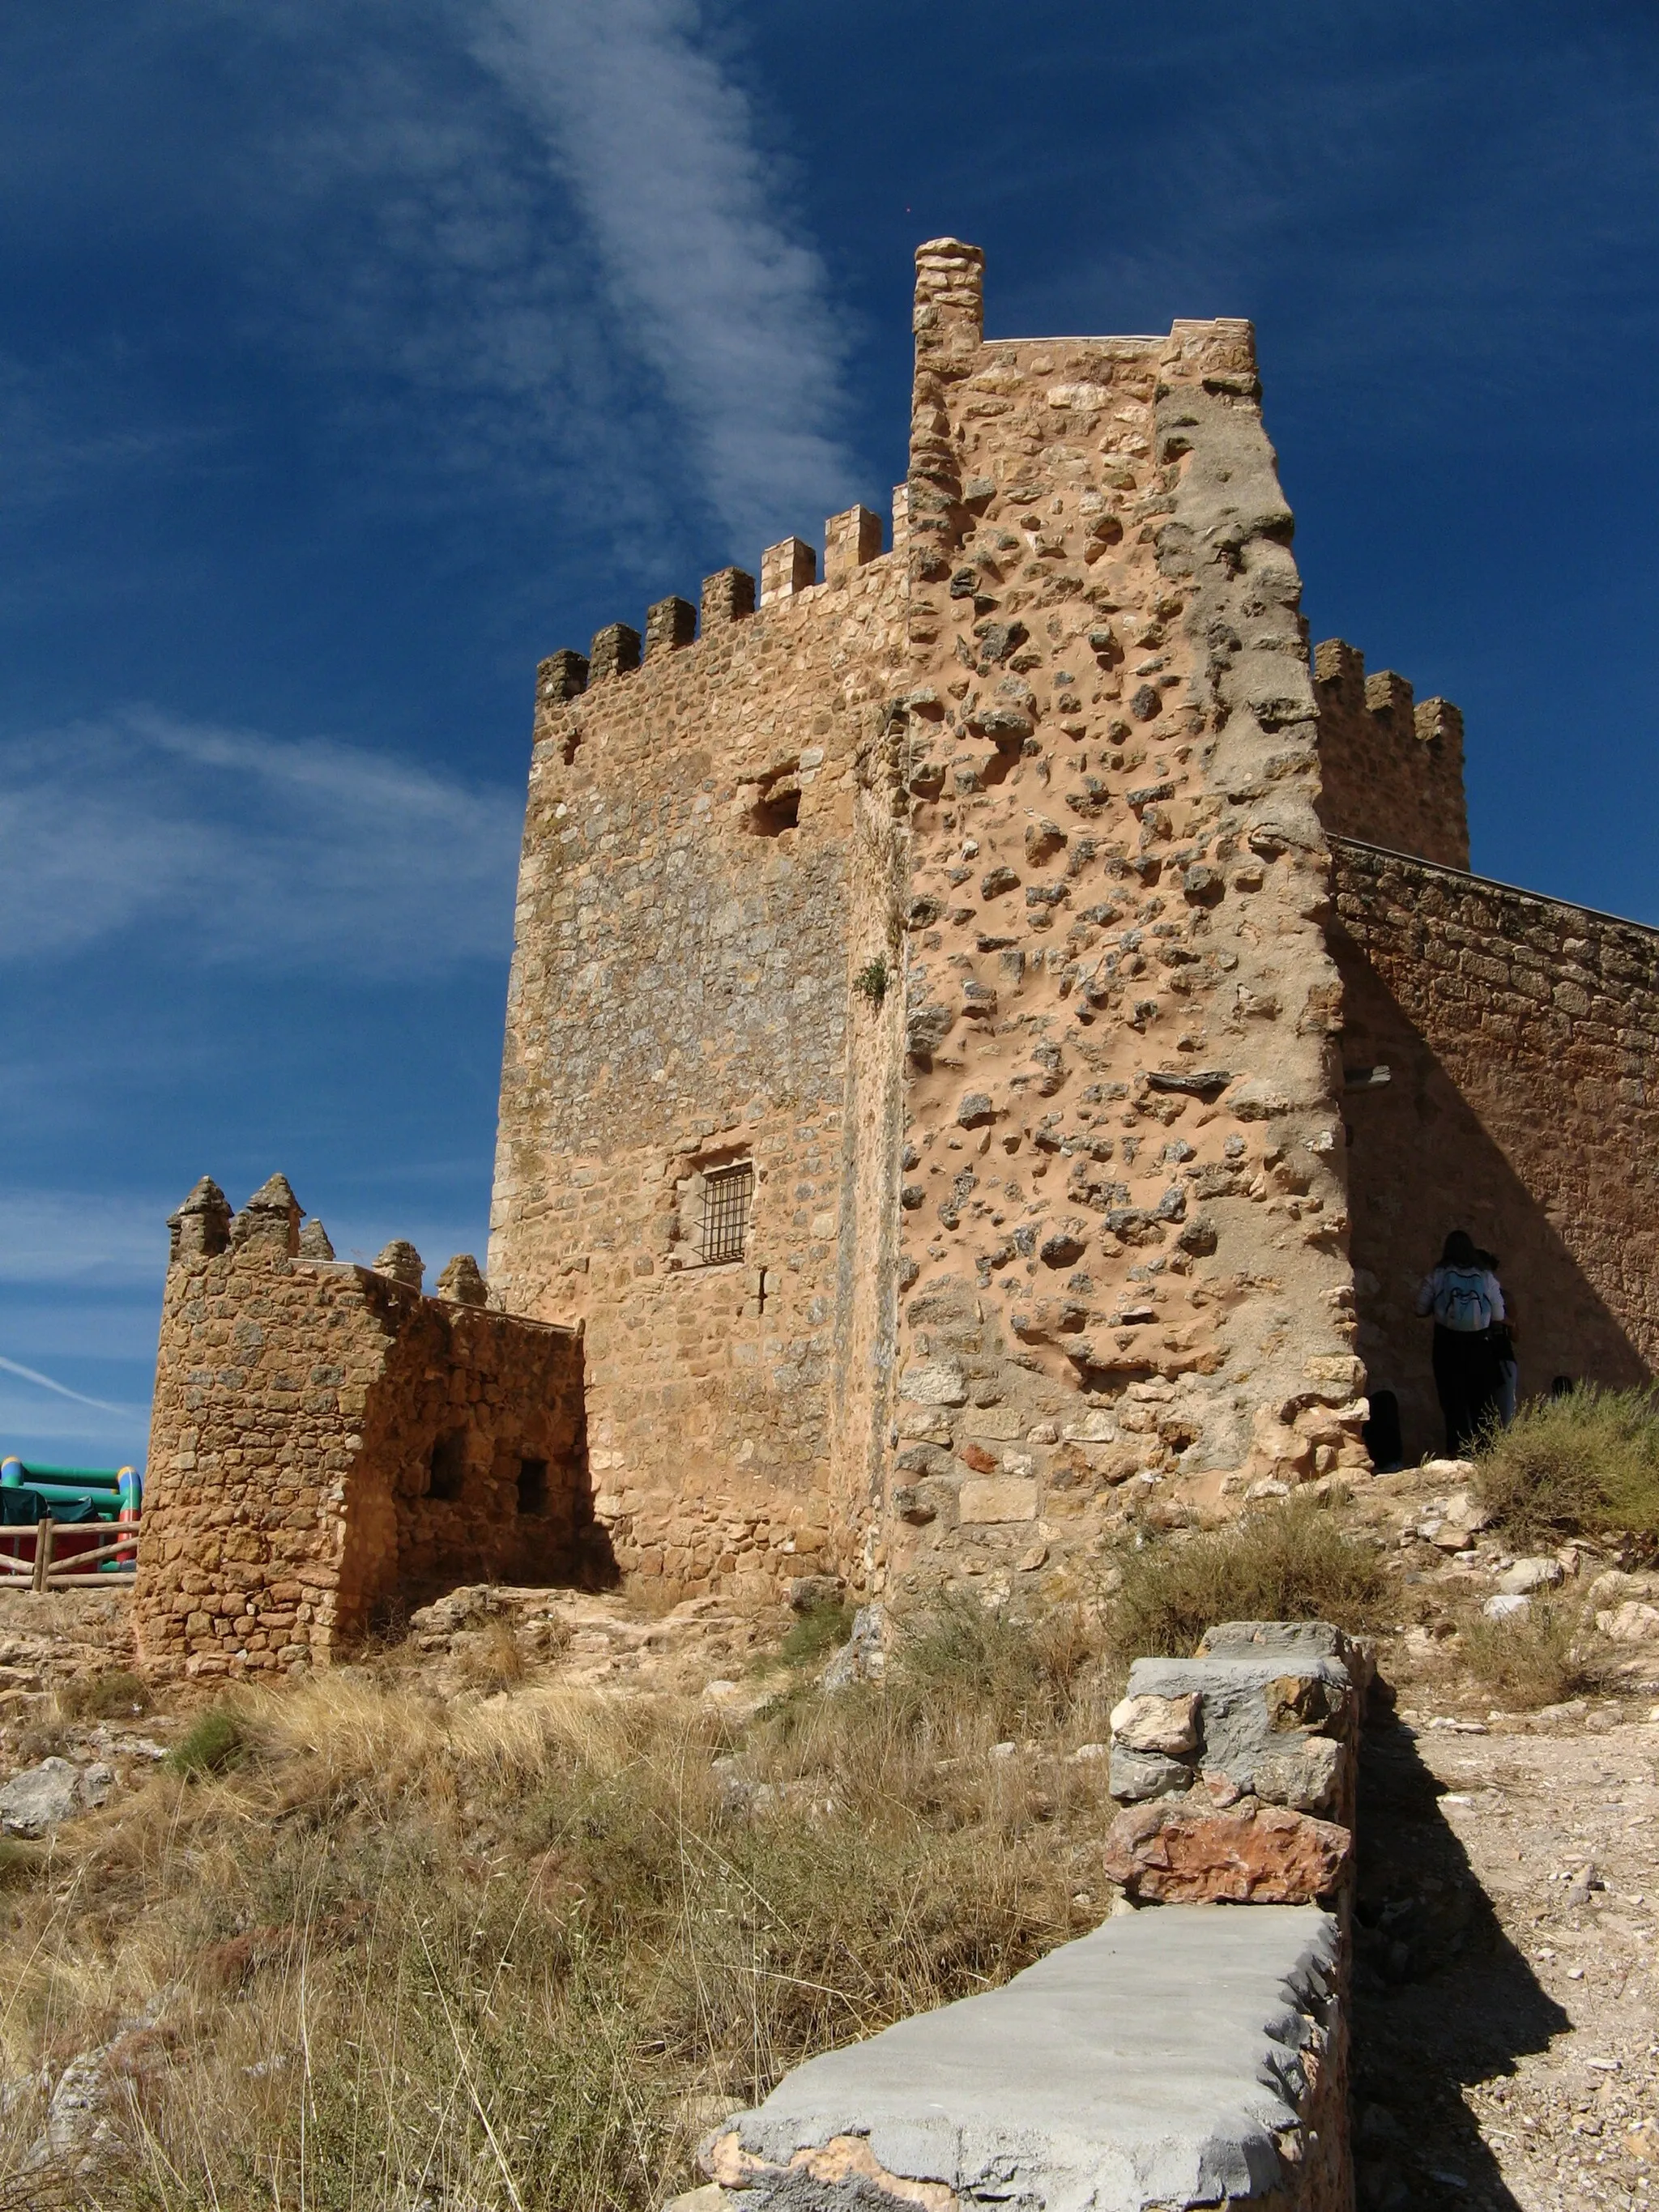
1506 2018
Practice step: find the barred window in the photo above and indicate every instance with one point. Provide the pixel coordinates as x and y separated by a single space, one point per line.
727 1195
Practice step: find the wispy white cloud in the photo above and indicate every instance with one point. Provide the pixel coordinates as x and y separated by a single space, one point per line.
230 846
62 1389
533 250
730 309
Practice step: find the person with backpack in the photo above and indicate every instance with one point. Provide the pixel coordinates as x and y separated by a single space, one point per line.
1466 1302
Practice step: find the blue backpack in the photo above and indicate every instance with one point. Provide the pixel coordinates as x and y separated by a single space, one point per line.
1461 1302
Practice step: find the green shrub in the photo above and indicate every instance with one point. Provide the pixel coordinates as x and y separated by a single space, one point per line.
815 1633
1292 1561
872 980
209 1744
1020 1672
1584 1465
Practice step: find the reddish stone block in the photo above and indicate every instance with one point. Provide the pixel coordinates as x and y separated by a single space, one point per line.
1176 1851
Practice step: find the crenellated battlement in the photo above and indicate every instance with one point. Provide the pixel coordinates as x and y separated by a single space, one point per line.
923 1115
852 541
1391 766
274 1226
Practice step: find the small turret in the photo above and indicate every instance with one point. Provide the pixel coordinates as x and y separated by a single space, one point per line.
403 1263
462 1284
270 1219
201 1227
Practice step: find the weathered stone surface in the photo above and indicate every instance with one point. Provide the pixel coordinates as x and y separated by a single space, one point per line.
402 1262
863 1657
997 1497
324 1437
1386 775
1134 1775
1189 2057
1170 1725
1531 1574
721 846
1633 1622
935 1382
1181 1851
1521 1035
1276 1711
35 1800
1506 1605
461 1282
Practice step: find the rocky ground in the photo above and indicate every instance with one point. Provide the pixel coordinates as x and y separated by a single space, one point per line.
1506 2015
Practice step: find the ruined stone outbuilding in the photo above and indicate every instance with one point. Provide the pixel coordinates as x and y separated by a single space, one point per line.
328 1444
1001 1018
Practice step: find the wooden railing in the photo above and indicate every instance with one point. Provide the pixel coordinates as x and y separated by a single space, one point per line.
30 1556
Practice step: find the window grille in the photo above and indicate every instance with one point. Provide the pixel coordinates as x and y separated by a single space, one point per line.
727 1195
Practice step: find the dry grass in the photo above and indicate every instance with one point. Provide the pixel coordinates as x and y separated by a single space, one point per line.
118 1694
1585 1465
1539 1657
493 1659
1288 1561
521 1952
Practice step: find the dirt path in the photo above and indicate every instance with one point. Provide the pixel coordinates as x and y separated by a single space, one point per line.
1507 1999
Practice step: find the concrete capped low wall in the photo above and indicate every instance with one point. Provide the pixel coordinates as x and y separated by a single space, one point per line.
1183 2057
1189 2054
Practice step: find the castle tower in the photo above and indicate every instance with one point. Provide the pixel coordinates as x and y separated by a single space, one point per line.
920 1074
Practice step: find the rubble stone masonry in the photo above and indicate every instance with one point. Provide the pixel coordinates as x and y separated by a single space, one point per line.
710 867
1521 1041
923 1107
1390 771
1125 1231
325 1440
974 898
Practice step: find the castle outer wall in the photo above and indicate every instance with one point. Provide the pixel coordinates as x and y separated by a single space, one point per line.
1521 1041
972 900
989 1030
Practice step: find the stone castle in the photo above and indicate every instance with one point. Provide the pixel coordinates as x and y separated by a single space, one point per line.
994 1023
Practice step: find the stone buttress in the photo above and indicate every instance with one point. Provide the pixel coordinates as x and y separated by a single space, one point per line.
1126 1230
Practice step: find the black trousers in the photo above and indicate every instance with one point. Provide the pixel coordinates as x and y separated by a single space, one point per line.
1467 1382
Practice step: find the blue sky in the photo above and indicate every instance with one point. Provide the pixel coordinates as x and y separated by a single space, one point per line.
355 353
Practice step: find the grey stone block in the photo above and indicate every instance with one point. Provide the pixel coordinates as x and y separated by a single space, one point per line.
1153 2063
1135 1775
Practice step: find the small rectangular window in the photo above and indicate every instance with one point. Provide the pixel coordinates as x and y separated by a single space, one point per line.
727 1195
532 1486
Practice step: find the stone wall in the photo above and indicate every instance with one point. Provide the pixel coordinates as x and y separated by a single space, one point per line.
709 868
1124 1243
1189 2054
1390 772
974 897
326 1440
1521 1038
